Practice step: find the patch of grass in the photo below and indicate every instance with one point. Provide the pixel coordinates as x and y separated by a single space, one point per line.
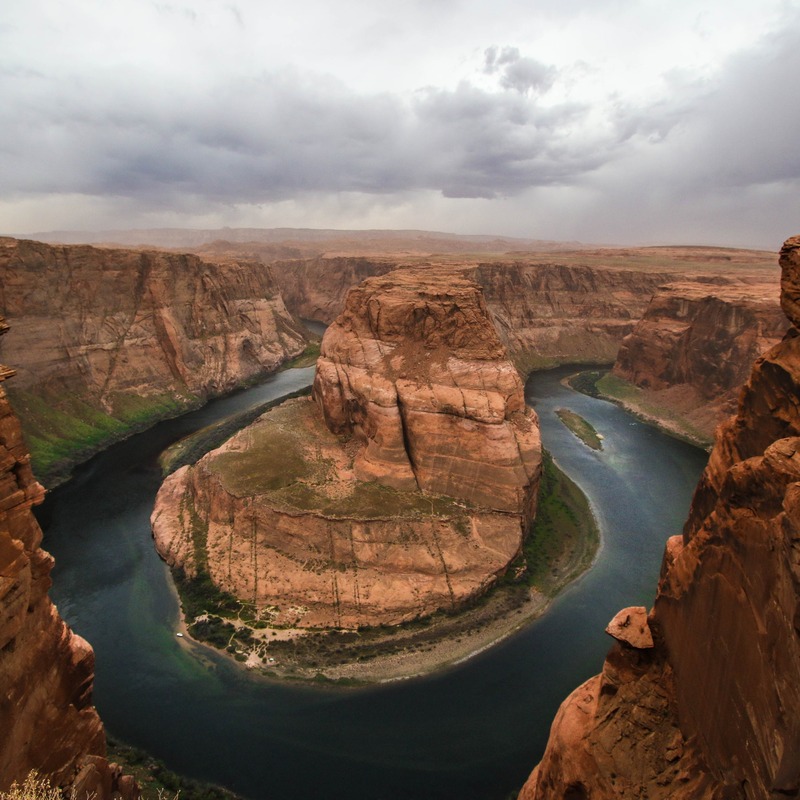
582 428
62 430
586 381
564 530
370 500
200 595
192 448
308 358
640 404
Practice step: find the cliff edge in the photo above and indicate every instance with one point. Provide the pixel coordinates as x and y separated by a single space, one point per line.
47 720
712 709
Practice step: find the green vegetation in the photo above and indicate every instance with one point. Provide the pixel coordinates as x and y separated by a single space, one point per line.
582 428
156 781
586 381
369 500
192 448
564 536
308 358
61 429
639 403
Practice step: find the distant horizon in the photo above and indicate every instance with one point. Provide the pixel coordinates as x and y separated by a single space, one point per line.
101 236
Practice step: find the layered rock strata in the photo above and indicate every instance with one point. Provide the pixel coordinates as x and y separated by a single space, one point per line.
47 721
404 487
694 347
108 340
712 709
544 312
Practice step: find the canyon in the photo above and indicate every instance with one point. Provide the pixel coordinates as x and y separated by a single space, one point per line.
108 341
47 719
691 352
711 709
404 486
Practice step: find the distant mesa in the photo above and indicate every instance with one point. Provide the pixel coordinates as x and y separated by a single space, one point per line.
405 486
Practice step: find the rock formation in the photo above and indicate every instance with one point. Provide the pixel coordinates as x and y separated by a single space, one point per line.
406 485
47 721
713 710
695 345
550 313
110 340
544 312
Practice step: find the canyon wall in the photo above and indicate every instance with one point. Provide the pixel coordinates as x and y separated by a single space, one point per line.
712 708
544 312
110 340
47 721
404 487
694 347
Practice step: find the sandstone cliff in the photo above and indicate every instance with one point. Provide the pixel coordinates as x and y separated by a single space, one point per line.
694 347
712 709
47 721
545 312
406 487
110 340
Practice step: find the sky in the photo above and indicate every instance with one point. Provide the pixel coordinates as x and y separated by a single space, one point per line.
603 121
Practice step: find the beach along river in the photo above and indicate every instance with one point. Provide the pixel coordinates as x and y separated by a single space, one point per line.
475 731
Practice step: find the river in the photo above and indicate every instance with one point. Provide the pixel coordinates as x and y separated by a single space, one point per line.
472 732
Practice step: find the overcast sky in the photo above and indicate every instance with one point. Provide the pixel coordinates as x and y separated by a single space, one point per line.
617 121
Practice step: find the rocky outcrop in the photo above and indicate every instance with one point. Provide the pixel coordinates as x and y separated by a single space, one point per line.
406 486
712 710
47 719
110 340
414 368
694 347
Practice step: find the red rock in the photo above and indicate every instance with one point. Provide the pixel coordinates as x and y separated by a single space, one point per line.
47 721
132 336
406 487
630 626
722 684
694 347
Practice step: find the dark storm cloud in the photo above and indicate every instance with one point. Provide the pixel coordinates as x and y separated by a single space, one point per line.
158 144
281 135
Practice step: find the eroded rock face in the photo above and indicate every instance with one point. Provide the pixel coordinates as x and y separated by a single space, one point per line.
47 721
414 368
406 486
713 709
107 340
544 312
694 347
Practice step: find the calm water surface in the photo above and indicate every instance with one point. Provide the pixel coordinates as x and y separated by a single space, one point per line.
473 732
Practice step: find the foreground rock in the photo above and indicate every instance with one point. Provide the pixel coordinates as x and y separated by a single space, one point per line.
694 347
712 710
110 340
47 721
405 487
